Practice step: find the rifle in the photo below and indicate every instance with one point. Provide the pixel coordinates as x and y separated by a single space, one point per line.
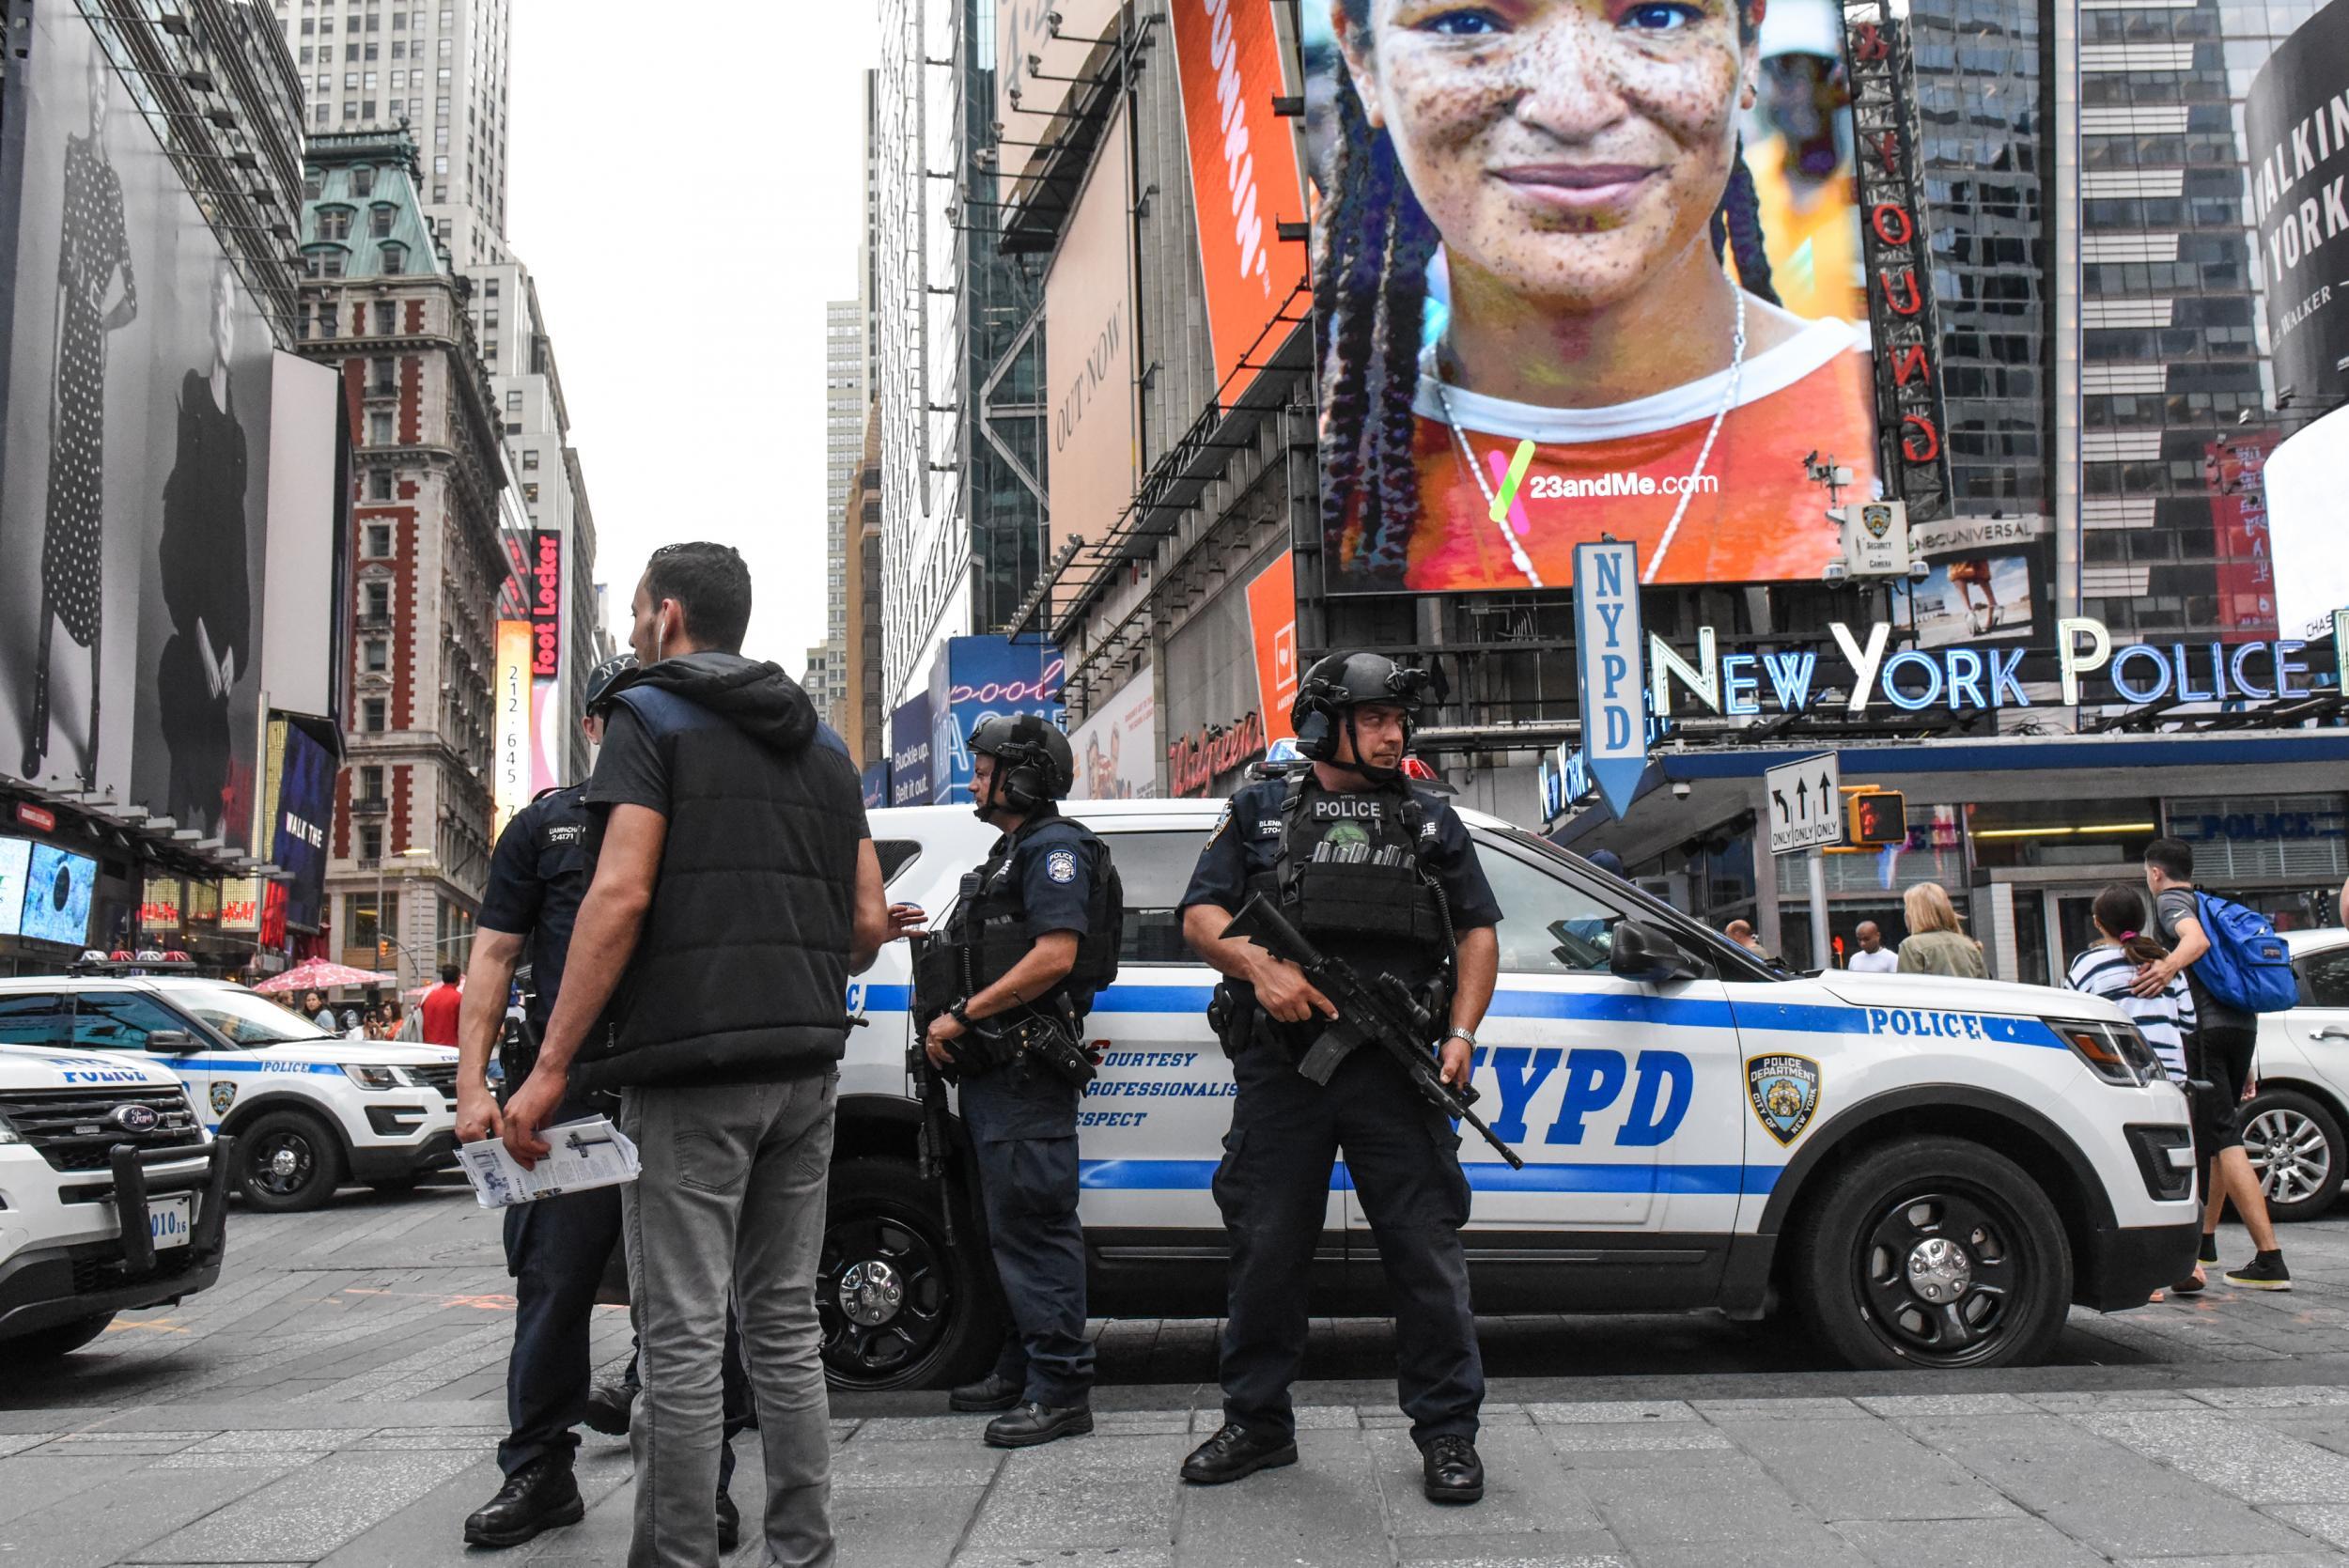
1381 1012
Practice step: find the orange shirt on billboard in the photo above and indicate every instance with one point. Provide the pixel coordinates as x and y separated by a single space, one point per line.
1757 517
1813 237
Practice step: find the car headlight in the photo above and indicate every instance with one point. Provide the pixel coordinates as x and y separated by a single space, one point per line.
376 1078
2115 1052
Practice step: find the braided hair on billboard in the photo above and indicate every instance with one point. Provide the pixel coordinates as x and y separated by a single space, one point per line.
1373 248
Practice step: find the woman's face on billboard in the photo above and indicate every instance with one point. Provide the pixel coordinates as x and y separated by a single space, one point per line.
1563 147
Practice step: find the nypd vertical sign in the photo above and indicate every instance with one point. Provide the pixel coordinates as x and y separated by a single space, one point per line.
1610 658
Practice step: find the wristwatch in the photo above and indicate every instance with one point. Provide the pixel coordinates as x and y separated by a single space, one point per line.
956 1013
1456 1033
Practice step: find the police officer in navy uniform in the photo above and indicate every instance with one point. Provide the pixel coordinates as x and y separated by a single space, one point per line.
1004 992
557 1248
1382 876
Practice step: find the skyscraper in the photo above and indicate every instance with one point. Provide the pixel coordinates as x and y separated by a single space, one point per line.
845 396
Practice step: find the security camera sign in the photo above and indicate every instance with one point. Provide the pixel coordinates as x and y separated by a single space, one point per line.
1875 539
1806 803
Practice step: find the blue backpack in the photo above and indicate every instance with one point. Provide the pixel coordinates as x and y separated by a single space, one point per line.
2247 965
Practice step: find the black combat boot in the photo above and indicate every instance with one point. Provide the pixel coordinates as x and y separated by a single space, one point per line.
609 1407
1234 1451
539 1496
1449 1470
993 1392
1032 1423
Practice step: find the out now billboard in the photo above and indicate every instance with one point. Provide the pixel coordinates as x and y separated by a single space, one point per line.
1245 176
1089 351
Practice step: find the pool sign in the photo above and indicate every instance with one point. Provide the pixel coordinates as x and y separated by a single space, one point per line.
1607 649
1806 803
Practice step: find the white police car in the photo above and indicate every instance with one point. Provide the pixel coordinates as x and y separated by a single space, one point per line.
1928 1171
309 1111
2292 1127
112 1196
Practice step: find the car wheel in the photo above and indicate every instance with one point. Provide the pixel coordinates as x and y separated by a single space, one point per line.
1933 1252
901 1308
287 1161
2295 1144
61 1338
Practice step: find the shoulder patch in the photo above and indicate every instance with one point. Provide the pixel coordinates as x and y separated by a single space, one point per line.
1061 865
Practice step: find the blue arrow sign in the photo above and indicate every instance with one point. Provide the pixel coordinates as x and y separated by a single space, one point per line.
1610 653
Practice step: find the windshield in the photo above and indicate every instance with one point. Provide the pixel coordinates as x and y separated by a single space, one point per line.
246 1017
1719 947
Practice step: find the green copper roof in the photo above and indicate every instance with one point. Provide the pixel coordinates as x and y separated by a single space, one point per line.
361 198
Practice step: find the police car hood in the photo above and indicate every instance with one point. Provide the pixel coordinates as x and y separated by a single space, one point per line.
359 1053
63 1067
1938 993
753 696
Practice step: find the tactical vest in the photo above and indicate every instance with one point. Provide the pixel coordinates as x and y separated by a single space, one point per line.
1349 867
987 934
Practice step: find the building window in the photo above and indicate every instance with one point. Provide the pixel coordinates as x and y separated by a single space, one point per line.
367 109
380 537
379 428
530 459
334 223
326 320
379 486
380 220
530 494
489 289
313 185
513 398
379 377
375 603
370 784
371 715
395 260
370 83
489 319
514 429
351 110
490 351
447 48
440 193
320 116
372 848
375 656
350 78
386 319
440 166
330 264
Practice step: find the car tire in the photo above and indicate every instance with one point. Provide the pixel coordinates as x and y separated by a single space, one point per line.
1911 1219
287 1161
899 1308
2287 1123
60 1339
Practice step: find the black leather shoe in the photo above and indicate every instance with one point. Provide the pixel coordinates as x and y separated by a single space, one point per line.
539 1496
1450 1470
1032 1423
992 1392
608 1408
730 1523
1234 1452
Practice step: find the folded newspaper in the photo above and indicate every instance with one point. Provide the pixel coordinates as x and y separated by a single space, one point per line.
580 1155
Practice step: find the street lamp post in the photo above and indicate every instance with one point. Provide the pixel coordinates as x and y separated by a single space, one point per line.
379 938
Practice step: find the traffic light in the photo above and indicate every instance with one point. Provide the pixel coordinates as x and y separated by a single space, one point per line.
1880 817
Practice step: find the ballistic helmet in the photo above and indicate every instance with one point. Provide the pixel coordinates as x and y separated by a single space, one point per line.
1341 682
1034 762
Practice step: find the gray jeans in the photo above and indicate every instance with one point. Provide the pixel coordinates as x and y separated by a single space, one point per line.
731 1198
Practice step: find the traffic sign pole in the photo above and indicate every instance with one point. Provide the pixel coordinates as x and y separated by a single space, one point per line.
1822 955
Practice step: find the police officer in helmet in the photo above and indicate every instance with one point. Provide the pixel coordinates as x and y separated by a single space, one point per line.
557 1248
1384 877
1001 996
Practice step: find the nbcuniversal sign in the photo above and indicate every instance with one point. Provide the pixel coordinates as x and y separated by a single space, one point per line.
2091 670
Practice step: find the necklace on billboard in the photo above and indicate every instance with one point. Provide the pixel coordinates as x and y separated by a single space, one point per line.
1509 534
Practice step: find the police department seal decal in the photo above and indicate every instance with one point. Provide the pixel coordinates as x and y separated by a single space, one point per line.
1061 865
1785 1092
223 1096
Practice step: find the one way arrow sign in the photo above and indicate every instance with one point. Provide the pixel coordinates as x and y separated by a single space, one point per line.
1806 804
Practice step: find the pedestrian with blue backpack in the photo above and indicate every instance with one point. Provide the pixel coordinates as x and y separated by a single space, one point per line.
2236 968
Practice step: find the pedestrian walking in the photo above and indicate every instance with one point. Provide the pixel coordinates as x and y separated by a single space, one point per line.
1937 943
1000 997
315 1009
734 882
1384 877
1873 956
441 1006
2109 968
2220 1054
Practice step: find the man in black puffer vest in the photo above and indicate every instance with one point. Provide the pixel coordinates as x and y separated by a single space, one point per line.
735 887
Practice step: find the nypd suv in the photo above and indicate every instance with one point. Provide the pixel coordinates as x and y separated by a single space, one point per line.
112 1196
1926 1171
309 1111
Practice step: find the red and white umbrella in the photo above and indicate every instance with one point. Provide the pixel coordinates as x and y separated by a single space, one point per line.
316 974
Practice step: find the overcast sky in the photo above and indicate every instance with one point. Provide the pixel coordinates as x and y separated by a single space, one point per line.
687 191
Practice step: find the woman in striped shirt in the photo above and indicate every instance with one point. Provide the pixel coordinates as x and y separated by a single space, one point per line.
2108 970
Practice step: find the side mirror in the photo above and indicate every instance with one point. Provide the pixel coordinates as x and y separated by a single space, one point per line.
166 1040
1648 954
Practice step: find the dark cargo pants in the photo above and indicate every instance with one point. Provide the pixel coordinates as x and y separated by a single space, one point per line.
1273 1189
1023 1128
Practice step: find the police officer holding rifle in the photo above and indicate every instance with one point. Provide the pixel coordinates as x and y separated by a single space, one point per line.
1381 879
1000 999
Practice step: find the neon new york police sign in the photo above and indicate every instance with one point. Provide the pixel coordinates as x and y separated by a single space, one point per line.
1968 679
